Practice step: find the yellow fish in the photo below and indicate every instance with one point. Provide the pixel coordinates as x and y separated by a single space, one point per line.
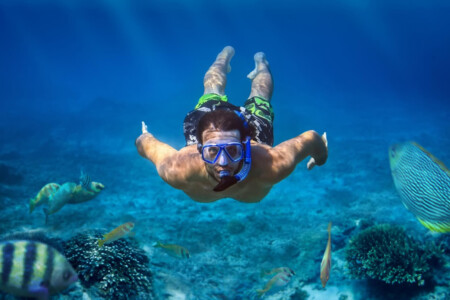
43 195
280 279
173 250
116 234
325 266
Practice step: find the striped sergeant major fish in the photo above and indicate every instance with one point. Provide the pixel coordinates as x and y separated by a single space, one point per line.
325 266
173 250
423 183
85 180
116 234
33 269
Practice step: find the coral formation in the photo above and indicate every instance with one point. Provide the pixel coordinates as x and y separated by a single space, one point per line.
386 253
116 271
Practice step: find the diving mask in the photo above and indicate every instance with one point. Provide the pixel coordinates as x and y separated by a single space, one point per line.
211 153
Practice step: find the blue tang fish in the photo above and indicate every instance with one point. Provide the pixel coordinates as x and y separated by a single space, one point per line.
423 183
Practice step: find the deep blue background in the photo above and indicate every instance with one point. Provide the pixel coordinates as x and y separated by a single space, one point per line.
330 59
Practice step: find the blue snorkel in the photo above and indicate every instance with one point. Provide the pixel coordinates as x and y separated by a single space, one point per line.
226 180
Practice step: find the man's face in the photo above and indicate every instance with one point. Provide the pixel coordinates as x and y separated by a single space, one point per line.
212 136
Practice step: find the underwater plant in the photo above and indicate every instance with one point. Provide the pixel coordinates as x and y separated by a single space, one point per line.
387 253
118 270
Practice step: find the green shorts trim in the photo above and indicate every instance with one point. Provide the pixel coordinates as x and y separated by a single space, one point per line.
260 107
208 97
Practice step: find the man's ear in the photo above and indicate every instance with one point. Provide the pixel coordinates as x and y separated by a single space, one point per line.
199 147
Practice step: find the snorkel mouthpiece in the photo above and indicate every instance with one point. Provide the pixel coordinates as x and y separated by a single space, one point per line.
224 173
225 182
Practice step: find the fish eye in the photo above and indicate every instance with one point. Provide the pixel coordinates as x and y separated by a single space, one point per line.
66 275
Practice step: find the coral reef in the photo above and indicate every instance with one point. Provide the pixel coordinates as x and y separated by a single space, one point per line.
387 254
115 271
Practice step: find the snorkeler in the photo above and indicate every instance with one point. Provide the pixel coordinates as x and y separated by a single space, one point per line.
229 151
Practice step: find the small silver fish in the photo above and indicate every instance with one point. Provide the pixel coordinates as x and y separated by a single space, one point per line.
282 278
173 250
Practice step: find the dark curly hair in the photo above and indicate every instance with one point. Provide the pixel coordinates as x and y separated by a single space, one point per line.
224 120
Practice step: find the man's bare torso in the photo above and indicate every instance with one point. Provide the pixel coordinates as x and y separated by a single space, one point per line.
252 189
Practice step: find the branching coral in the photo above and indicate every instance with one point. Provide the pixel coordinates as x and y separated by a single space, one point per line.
386 253
118 270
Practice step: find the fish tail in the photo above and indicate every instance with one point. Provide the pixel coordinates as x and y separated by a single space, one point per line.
436 227
260 293
100 242
329 227
157 244
264 273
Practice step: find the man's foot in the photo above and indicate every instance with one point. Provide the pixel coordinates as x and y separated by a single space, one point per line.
260 64
226 55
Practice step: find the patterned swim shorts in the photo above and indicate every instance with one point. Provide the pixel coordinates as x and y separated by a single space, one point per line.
258 112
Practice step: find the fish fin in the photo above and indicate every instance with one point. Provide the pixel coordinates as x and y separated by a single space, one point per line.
40 292
436 227
156 244
131 234
263 273
100 242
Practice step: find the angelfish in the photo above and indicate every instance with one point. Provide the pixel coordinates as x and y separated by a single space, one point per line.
33 269
423 183
325 266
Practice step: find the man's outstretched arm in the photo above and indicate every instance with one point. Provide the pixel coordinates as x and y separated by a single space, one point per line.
151 148
288 154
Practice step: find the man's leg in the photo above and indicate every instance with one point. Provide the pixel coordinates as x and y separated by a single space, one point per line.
216 76
258 103
262 82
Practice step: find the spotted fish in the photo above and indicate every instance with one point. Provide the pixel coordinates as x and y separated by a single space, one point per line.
423 183
33 269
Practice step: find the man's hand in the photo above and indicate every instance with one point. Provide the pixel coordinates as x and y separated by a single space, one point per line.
144 134
144 128
312 161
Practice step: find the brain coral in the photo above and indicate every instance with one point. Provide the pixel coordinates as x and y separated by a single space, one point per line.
386 253
118 270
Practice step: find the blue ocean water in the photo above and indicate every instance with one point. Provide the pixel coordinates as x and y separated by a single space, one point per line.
78 77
